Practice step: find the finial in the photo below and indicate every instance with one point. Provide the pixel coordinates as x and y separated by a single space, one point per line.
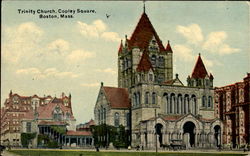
101 83
168 41
126 37
199 54
176 75
143 6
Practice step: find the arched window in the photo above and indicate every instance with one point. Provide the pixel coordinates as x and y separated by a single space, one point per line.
172 103
146 97
210 102
135 99
104 115
138 99
153 60
204 99
165 98
151 77
186 104
117 119
179 104
153 98
194 111
99 116
161 61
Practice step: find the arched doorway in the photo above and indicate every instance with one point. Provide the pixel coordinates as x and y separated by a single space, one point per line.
189 135
217 134
158 128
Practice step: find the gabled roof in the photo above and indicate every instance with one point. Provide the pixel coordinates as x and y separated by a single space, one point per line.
144 64
56 100
168 47
199 70
118 97
143 34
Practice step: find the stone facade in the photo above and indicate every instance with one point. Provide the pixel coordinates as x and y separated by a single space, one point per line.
232 107
183 113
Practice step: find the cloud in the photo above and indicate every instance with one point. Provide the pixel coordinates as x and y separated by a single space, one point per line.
21 41
60 46
111 36
192 33
49 72
183 52
215 44
79 55
90 84
107 70
97 29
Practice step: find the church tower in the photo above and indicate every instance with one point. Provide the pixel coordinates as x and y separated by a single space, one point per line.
199 77
144 44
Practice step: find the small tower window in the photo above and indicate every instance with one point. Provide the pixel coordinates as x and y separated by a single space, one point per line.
117 119
153 60
150 77
153 98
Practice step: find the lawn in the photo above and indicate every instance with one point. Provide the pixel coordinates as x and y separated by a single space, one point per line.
92 153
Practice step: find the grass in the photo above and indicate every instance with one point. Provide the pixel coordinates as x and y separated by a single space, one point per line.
104 153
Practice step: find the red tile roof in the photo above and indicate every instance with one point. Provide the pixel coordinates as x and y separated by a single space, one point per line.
118 97
168 47
45 111
143 34
144 64
79 133
199 69
52 123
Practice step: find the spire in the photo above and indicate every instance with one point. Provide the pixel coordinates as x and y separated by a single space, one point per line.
144 6
199 70
144 64
168 47
143 33
120 48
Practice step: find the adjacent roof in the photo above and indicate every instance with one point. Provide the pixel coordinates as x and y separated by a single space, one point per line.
79 133
199 70
143 34
144 64
118 97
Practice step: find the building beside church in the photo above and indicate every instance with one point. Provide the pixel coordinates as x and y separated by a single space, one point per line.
232 106
149 100
45 117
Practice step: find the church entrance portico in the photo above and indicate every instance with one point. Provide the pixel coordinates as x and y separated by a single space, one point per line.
217 135
158 129
189 134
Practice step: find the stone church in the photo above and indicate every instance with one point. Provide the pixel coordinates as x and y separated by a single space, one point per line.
155 105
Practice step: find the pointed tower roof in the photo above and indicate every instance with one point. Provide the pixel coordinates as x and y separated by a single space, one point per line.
199 70
144 64
120 48
143 34
168 47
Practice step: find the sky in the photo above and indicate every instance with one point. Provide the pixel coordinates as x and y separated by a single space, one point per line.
74 55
